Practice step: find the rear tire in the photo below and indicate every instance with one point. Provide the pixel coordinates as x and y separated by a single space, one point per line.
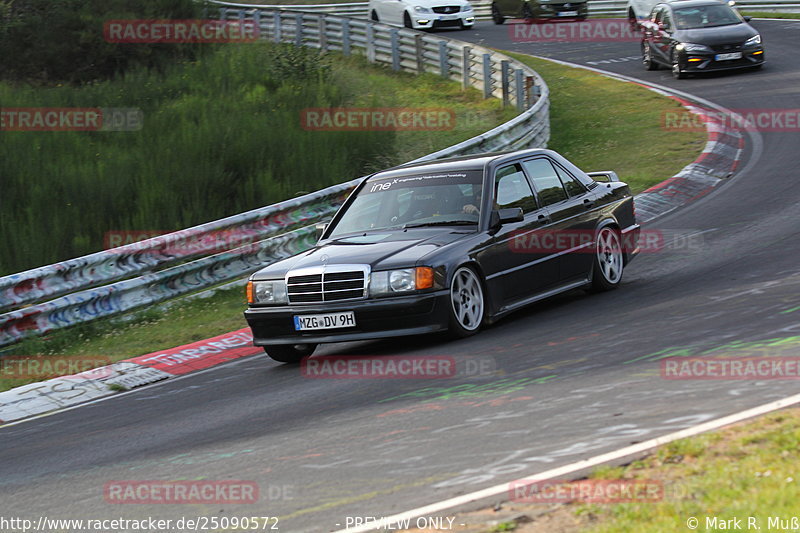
497 18
609 260
467 307
527 15
289 353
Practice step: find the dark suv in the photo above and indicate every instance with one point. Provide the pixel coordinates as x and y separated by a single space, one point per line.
537 10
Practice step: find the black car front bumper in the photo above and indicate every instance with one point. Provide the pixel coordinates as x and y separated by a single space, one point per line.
375 318
706 62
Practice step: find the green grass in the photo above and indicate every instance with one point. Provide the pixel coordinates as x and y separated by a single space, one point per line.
771 15
603 124
594 122
746 470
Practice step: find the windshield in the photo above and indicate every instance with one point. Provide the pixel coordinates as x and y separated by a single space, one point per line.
689 18
435 199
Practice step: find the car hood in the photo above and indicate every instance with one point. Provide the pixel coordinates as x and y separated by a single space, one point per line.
379 250
735 33
437 3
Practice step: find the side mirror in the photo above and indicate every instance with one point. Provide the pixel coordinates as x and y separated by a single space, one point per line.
504 216
747 18
321 227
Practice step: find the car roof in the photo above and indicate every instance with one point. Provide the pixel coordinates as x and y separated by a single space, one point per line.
693 3
467 162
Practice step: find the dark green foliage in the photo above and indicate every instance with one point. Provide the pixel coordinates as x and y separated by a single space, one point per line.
221 136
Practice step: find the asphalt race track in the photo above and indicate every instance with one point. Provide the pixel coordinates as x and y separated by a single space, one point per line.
573 377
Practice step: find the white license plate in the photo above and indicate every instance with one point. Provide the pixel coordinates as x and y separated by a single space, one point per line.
448 17
345 319
728 57
567 13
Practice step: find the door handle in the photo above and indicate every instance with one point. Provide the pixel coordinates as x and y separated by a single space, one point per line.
543 219
588 204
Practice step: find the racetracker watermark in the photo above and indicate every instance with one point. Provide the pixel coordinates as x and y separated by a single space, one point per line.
377 119
760 120
41 367
181 492
180 31
547 241
177 243
593 30
71 119
586 491
731 368
396 367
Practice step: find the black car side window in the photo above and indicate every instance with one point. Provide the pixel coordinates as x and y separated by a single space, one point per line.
571 183
546 181
511 189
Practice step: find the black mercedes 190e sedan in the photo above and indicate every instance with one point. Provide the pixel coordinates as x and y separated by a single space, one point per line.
446 245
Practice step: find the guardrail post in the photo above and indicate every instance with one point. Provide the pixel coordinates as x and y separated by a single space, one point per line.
223 13
345 37
444 67
395 50
505 75
370 43
277 25
487 76
419 52
257 22
298 29
522 93
323 35
465 66
241 20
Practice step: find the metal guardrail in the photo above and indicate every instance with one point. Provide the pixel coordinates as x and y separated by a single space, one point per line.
133 276
604 8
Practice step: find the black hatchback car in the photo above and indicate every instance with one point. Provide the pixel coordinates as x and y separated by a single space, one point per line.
692 36
446 245
539 10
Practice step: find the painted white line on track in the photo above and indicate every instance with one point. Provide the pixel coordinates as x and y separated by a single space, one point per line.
503 488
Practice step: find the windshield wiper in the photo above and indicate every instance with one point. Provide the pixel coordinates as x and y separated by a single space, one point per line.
440 223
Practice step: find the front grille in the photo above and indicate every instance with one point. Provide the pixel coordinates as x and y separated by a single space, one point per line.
446 9
724 48
331 284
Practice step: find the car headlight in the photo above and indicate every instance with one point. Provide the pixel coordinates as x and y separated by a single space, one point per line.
420 9
755 39
266 292
693 47
400 281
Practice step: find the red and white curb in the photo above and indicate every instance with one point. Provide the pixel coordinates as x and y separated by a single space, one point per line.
65 391
720 158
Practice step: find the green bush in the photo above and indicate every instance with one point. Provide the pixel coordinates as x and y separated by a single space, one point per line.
221 135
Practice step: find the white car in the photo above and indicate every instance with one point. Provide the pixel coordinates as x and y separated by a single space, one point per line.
639 10
423 14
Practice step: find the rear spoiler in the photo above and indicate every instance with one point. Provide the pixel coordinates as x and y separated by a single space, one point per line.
604 176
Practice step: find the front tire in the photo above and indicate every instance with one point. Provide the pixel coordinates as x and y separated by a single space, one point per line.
609 260
407 20
374 16
290 353
497 17
677 71
647 57
467 306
